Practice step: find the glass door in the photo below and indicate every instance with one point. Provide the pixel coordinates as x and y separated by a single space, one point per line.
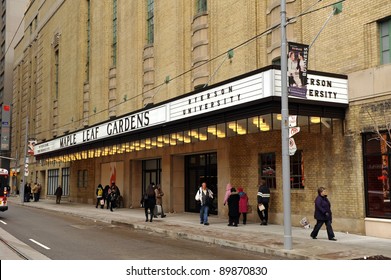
198 169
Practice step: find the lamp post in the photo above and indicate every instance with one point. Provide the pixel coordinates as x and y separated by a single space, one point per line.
286 188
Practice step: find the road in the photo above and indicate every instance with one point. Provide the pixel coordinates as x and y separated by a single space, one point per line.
64 237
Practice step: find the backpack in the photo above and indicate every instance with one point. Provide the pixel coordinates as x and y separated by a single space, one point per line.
100 192
113 196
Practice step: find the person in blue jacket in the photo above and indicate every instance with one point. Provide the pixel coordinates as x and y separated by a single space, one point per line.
323 214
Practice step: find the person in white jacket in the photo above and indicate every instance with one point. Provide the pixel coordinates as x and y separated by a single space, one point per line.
205 197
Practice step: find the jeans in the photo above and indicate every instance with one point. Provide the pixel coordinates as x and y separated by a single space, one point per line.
204 211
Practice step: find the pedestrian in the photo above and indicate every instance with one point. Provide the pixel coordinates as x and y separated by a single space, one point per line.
263 198
106 196
227 193
99 196
35 192
27 192
39 191
113 198
149 201
323 214
205 197
58 194
114 186
243 204
159 200
233 208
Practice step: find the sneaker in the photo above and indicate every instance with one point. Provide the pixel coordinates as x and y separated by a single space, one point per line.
206 224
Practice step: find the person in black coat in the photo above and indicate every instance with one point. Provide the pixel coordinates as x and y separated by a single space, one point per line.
58 194
233 208
263 197
149 201
113 199
323 214
106 195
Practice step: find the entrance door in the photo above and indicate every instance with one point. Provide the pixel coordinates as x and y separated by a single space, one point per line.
151 172
198 169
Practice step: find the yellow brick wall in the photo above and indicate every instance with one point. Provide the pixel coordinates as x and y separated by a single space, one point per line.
230 23
349 43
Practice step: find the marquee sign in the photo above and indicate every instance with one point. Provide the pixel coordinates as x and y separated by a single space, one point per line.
241 91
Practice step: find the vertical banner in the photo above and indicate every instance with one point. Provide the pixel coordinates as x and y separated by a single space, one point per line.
297 69
5 127
113 171
30 146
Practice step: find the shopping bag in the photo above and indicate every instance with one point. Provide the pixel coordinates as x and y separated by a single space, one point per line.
157 210
304 222
261 207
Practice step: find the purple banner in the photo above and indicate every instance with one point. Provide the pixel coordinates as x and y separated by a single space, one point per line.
297 69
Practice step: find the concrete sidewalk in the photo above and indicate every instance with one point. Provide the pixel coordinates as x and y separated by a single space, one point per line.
253 237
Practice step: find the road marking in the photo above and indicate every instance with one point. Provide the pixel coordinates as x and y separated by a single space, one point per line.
36 242
3 222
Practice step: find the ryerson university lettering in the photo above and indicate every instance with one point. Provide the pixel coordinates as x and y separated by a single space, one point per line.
211 96
321 93
243 90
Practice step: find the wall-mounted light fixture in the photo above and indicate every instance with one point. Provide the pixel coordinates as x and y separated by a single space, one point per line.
315 119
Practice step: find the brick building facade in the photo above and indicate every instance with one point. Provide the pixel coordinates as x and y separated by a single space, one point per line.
91 63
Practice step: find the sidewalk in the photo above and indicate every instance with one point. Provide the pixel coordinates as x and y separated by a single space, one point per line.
253 237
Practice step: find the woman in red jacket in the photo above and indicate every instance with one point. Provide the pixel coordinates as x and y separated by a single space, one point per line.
243 204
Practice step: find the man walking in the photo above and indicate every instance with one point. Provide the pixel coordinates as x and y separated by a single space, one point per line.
205 197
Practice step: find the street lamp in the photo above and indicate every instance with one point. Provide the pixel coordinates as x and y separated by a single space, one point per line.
285 134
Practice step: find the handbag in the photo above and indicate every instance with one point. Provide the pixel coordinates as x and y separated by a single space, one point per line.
102 202
145 196
157 210
261 207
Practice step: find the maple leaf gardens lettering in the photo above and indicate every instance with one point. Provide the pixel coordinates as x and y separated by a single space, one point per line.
127 124
115 127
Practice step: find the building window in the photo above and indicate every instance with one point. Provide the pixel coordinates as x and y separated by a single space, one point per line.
114 32
377 158
276 61
201 6
65 181
82 179
150 23
52 181
385 41
267 169
297 170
